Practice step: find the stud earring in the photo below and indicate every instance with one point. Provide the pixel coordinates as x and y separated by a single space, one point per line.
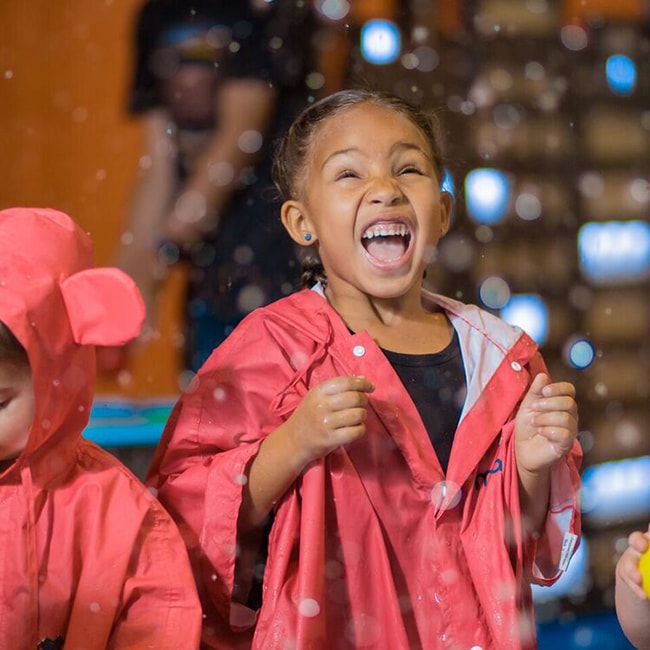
307 236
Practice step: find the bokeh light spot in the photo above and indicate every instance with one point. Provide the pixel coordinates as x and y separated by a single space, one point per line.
580 353
487 192
529 312
621 74
380 41
494 292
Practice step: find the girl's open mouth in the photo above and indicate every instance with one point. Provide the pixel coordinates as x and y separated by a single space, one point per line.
386 242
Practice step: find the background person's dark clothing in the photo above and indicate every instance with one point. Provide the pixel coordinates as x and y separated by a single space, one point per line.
249 260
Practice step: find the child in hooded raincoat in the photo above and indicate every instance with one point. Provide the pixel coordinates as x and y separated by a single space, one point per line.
88 558
403 460
632 600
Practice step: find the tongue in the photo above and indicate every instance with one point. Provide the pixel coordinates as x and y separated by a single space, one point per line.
386 249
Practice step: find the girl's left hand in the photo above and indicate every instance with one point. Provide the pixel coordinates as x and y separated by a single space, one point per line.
546 424
627 567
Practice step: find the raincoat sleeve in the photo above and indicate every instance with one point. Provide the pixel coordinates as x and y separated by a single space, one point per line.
160 607
201 464
554 549
548 556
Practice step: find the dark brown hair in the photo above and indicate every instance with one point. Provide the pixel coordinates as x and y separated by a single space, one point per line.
293 149
10 348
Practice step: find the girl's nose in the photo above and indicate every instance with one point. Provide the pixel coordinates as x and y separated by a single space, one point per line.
384 190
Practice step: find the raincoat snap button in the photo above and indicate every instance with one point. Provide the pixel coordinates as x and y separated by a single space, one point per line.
515 366
358 350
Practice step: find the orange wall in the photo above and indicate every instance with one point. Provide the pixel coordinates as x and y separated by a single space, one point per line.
66 141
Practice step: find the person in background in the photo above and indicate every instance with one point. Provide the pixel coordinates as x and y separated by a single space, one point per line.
632 602
216 82
88 557
393 466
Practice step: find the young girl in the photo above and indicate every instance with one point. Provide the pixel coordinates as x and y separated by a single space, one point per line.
632 602
88 558
414 462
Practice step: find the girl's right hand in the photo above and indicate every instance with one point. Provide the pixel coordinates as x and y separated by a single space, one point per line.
331 414
627 567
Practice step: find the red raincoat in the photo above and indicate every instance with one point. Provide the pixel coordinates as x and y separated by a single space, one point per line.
88 558
372 547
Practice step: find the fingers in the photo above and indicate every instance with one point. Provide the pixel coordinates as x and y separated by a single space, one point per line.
344 401
331 414
549 412
347 419
554 403
638 541
628 571
559 388
538 384
346 383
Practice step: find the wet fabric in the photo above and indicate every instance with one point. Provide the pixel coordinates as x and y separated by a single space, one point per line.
373 546
88 558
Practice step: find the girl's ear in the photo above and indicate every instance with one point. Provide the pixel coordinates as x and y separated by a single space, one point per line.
446 210
297 223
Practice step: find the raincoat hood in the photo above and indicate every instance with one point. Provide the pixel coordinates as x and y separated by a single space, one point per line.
59 306
88 558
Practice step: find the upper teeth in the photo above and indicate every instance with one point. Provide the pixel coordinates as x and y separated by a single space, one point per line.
386 230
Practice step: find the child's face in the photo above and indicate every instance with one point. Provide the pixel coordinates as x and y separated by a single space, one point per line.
16 408
372 199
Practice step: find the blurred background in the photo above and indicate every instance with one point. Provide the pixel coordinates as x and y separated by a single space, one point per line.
546 110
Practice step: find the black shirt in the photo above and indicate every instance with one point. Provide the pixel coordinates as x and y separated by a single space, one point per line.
436 384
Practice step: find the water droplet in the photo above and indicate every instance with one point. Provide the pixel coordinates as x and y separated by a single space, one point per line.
249 298
308 607
221 173
240 479
446 495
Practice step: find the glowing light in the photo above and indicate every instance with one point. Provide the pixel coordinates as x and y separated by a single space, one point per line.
621 74
614 252
579 353
529 312
487 192
380 41
334 9
574 37
616 492
494 292
447 184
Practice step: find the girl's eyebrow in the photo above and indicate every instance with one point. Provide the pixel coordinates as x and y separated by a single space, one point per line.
407 145
399 145
339 152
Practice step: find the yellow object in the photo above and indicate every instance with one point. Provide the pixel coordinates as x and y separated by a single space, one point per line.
644 567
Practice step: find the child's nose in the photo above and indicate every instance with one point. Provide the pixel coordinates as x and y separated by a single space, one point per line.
384 189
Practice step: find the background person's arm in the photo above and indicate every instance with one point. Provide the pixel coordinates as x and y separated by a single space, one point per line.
244 109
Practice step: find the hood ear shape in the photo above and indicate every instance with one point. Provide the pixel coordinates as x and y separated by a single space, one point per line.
104 306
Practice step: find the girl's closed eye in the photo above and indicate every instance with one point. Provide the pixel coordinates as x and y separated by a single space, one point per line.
346 173
411 169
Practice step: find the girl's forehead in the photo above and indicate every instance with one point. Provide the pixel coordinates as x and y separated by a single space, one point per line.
367 123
